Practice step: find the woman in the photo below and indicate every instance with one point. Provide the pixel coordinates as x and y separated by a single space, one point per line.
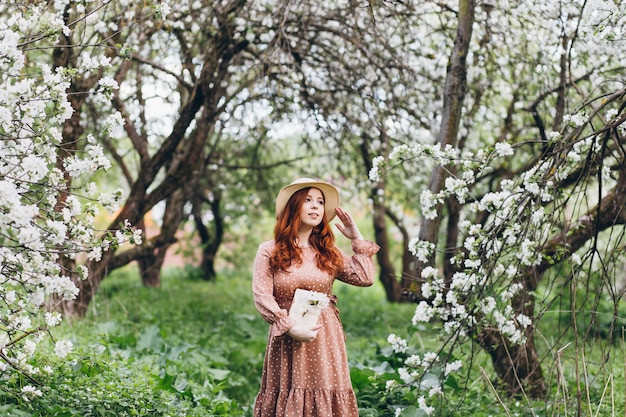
305 372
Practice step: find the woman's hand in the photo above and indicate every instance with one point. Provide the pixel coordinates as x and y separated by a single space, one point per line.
348 228
303 333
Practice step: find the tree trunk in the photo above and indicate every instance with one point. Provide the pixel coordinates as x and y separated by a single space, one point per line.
452 237
455 90
176 160
208 265
517 366
150 264
78 306
64 56
150 267
387 271
387 276
140 201
210 240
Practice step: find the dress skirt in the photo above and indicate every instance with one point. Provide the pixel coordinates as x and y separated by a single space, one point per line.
307 379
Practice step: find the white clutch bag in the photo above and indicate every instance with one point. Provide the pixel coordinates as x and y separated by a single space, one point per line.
307 306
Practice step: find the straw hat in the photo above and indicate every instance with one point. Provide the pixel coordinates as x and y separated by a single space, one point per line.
331 195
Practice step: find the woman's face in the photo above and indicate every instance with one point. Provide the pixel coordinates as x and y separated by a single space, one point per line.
312 211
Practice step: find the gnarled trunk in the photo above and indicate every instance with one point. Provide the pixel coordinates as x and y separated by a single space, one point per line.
150 264
518 366
210 239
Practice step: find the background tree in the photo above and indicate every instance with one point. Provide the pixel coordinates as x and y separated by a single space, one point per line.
202 108
164 164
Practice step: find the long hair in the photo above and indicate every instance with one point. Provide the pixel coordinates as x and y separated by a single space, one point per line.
322 240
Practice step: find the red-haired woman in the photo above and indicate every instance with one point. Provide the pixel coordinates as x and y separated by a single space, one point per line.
305 372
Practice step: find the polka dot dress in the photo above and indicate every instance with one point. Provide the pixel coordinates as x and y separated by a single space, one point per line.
306 379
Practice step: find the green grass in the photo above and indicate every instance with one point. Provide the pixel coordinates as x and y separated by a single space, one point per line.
215 322
195 348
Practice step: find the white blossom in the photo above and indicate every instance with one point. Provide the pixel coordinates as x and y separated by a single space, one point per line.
421 402
58 231
429 359
114 125
398 344
504 149
554 135
452 367
390 385
29 347
423 313
29 392
413 361
524 320
37 297
137 237
458 187
488 305
163 9
110 201
472 263
408 376
577 119
427 290
95 254
375 174
429 272
537 215
610 114
62 348
421 249
52 318
34 167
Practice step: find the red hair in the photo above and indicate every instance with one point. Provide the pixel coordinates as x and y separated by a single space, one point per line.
322 239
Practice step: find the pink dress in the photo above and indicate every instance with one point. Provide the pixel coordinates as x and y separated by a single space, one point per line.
306 379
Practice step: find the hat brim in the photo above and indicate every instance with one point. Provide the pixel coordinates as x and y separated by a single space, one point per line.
332 198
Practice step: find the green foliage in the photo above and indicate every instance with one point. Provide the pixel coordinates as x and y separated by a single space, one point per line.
108 381
174 351
193 348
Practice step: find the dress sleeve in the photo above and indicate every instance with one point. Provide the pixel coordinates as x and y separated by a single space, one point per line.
263 291
359 268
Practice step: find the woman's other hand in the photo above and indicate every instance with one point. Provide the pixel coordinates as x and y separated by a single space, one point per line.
303 333
348 227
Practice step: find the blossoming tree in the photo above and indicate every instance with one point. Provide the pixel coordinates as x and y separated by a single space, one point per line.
47 202
526 184
181 83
